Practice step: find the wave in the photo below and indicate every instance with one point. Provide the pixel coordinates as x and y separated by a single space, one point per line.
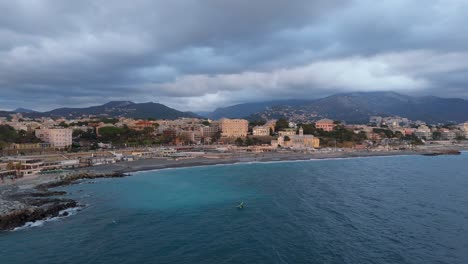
62 214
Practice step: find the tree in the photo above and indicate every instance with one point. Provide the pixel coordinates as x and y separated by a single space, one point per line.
18 168
206 123
239 142
63 124
362 136
309 129
217 136
281 124
8 134
436 135
259 122
398 134
109 120
11 165
383 132
148 131
286 138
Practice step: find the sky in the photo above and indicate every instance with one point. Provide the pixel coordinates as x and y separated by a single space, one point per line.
198 55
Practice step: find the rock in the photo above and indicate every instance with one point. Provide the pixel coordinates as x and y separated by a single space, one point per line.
20 217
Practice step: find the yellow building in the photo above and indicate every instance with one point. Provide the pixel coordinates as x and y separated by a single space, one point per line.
27 146
233 127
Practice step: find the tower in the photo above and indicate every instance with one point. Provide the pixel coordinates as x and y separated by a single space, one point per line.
301 131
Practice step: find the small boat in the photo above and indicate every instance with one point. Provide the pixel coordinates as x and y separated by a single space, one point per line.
241 206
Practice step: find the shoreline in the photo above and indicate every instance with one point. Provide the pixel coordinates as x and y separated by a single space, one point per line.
29 199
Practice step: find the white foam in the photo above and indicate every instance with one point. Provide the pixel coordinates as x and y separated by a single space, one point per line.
39 223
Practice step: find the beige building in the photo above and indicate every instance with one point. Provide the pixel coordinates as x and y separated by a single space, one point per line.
233 127
300 141
261 131
465 126
287 132
57 137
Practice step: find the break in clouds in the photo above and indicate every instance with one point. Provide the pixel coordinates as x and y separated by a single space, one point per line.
198 55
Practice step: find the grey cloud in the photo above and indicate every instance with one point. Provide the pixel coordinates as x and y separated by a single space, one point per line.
202 54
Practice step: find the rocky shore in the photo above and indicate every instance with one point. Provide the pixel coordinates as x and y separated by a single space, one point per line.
19 206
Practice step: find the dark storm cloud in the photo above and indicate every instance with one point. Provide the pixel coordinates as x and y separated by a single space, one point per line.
196 55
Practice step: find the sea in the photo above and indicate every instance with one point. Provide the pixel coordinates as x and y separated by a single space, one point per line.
399 209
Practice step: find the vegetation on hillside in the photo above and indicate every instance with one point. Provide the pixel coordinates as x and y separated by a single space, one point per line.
9 135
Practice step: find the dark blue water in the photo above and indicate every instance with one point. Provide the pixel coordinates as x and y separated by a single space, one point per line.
369 210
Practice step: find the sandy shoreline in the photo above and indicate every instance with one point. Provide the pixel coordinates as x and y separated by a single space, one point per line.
155 164
15 196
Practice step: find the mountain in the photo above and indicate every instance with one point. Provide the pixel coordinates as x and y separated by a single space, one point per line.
358 107
247 109
23 110
350 107
116 109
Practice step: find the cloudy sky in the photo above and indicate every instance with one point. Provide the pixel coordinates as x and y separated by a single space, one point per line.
198 55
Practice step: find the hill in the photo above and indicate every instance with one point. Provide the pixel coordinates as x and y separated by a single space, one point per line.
358 107
115 109
247 109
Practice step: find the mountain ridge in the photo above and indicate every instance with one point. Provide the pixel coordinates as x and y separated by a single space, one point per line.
113 109
357 107
353 107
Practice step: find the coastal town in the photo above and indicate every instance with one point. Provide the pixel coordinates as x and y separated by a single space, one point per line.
31 147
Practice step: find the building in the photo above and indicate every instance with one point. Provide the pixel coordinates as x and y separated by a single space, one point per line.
446 134
375 120
29 146
465 127
325 124
287 132
233 127
261 131
423 132
57 137
26 167
299 141
209 131
141 125
271 124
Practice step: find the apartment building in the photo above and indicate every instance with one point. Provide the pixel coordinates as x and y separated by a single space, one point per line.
325 124
57 137
233 127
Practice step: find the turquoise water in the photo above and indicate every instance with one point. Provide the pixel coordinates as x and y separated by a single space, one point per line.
408 209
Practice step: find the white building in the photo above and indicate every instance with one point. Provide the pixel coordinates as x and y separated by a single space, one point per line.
465 126
423 132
